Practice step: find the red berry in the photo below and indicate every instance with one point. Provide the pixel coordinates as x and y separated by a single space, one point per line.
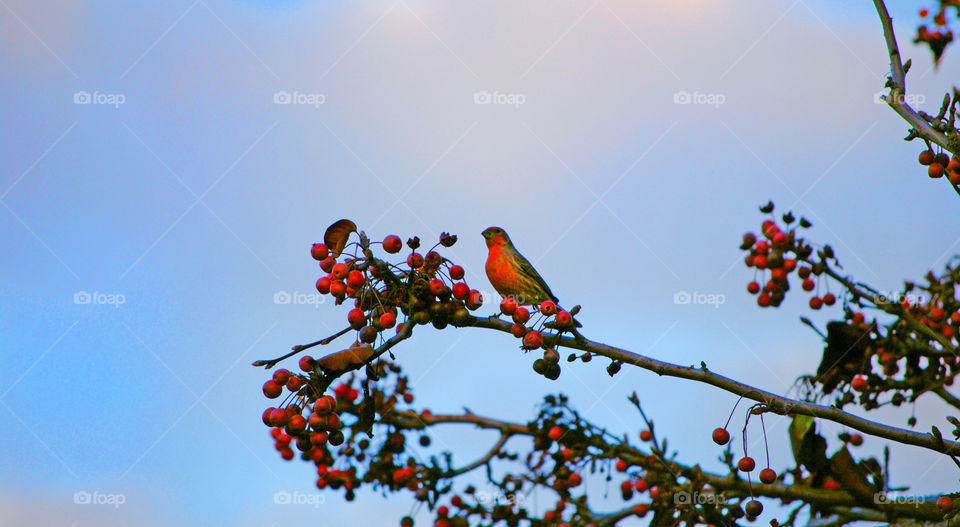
443 511
829 299
281 376
626 489
456 501
641 509
437 286
327 264
508 306
392 244
415 260
555 433
856 440
564 319
517 330
548 308
338 288
780 239
762 248
286 454
816 303
325 405
768 476
935 170
294 383
831 484
297 423
323 285
460 290
721 436
622 465
923 14
319 251
340 271
859 383
387 320
521 315
763 300
533 340
641 485
266 416
356 318
746 464
646 435
272 390
474 300
760 261
355 279
945 504
926 157
306 363
789 265
456 272
279 417
803 272
753 508
808 284
954 177
753 288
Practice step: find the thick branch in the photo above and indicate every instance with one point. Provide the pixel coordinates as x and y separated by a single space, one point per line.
896 99
774 403
731 485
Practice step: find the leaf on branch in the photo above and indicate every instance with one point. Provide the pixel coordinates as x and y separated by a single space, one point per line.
337 234
347 359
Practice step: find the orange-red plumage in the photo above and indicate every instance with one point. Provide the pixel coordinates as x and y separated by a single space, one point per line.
510 273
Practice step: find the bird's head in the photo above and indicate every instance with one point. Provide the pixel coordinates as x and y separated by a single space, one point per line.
496 236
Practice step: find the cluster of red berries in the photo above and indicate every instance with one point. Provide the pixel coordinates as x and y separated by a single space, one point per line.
939 165
428 289
776 256
549 365
936 34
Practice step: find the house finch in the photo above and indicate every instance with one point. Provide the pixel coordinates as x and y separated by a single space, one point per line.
510 273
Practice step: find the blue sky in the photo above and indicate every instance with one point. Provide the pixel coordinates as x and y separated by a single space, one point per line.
197 198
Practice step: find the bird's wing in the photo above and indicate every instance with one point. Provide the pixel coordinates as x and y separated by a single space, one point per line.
527 269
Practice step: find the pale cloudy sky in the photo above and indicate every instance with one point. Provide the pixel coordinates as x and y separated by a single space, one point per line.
197 197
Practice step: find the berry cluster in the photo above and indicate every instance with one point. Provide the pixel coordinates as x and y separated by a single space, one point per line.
934 31
547 315
939 165
778 254
426 288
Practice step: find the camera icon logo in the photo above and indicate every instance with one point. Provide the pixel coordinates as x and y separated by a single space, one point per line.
81 298
682 97
281 498
482 97
281 297
282 97
880 498
681 498
81 497
681 298
81 97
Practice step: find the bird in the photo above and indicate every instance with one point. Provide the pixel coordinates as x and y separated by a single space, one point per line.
511 274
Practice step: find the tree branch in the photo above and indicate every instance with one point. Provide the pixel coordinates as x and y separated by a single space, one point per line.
774 403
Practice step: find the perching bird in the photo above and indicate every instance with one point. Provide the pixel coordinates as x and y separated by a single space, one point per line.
511 274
